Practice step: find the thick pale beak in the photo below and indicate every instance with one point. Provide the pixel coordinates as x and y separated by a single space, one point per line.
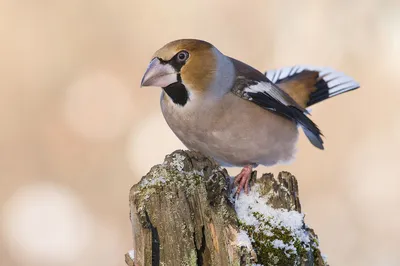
159 75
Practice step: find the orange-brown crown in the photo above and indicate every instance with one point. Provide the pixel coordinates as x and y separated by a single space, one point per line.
199 70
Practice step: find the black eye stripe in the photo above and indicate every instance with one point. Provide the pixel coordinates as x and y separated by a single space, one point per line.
162 61
175 62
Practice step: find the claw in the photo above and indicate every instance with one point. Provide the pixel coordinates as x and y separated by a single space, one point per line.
242 179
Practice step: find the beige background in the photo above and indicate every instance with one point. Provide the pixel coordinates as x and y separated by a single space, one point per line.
76 131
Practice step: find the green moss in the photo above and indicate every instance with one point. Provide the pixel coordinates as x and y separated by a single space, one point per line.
318 259
264 235
159 177
192 261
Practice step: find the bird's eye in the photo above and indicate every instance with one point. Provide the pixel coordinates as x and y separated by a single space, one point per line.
183 56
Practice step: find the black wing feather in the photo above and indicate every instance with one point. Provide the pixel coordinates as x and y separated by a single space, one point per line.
310 129
248 77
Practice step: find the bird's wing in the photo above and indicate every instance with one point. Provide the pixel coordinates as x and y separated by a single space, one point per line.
252 85
308 85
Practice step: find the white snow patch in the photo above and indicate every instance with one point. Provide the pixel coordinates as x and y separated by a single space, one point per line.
177 161
247 205
131 254
199 173
243 239
288 248
153 181
325 258
161 179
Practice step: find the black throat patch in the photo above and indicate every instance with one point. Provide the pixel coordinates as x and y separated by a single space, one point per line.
178 93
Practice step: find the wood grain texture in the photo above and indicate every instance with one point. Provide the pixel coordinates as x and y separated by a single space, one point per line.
182 214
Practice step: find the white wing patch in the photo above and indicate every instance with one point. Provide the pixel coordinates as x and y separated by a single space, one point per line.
273 91
336 81
265 87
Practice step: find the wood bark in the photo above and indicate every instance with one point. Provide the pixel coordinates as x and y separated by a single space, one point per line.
182 213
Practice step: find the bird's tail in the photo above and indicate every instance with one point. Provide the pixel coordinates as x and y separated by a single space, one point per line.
309 85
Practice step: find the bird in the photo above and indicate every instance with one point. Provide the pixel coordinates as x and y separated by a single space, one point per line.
232 112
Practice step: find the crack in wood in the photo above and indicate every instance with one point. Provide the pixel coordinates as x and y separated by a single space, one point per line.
155 243
200 251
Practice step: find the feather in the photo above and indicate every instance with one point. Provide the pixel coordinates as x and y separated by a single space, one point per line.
253 86
327 84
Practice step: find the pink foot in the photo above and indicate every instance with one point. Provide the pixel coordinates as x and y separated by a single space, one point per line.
242 179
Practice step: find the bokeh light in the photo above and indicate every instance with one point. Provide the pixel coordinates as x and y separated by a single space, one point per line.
98 106
46 224
149 142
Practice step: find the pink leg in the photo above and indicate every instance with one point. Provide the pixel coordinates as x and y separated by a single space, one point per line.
242 179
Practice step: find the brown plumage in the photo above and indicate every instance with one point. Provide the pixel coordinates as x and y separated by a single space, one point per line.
300 86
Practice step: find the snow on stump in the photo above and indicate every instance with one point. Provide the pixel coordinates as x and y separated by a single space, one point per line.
183 213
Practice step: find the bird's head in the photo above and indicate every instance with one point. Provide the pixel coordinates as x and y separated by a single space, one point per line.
185 68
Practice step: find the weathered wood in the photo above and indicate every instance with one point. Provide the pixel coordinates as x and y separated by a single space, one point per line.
129 258
182 213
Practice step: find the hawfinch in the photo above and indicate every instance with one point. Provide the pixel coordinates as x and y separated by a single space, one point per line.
232 112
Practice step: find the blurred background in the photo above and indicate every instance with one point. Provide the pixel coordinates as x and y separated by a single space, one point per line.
77 131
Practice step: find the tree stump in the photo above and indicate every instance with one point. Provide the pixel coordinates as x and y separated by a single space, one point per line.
183 213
